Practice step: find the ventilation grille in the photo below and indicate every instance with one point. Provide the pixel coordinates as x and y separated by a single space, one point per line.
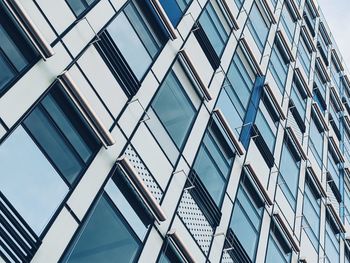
195 222
144 173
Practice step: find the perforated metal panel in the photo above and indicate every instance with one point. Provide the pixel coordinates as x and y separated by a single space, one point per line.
144 173
226 258
195 221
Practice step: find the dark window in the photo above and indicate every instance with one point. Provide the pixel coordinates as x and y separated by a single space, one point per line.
175 9
80 6
16 51
62 134
130 49
170 254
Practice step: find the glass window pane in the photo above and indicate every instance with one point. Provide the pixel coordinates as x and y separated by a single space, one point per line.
53 144
29 181
77 6
174 109
7 74
105 238
130 45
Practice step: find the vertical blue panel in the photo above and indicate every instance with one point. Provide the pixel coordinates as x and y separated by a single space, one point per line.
252 111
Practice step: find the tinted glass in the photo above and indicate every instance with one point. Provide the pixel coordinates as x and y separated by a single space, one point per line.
174 109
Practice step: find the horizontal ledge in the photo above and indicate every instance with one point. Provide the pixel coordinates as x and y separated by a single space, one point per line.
136 181
72 89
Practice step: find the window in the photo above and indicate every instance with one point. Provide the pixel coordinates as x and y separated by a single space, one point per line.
129 50
170 254
215 26
331 242
299 99
246 218
258 25
174 109
288 22
311 212
304 55
175 9
278 67
239 3
277 248
289 172
115 228
335 74
316 140
17 53
44 156
80 6
309 17
333 169
213 163
235 96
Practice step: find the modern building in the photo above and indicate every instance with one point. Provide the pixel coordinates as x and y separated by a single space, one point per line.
172 131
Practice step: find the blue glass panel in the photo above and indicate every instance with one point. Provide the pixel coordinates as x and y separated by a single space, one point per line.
29 181
174 109
105 238
173 10
258 27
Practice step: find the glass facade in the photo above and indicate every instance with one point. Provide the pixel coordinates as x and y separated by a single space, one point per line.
172 131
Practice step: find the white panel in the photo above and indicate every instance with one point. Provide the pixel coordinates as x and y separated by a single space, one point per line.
100 15
103 82
188 240
187 22
38 20
28 89
52 247
59 14
196 135
91 97
156 162
151 248
307 250
199 59
91 182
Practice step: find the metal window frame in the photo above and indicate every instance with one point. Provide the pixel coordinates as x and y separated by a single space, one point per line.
83 105
31 30
141 189
178 243
158 8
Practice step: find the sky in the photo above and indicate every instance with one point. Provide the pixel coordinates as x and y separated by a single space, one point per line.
337 16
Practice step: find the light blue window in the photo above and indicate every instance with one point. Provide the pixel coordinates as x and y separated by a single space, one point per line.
335 74
105 237
266 127
320 83
213 163
259 26
331 242
311 212
304 55
246 218
216 28
278 67
136 40
289 173
174 9
174 109
277 249
288 22
299 100
309 17
333 169
29 181
80 6
235 95
316 141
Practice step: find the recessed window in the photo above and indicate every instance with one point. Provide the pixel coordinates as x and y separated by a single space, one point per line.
16 51
246 218
258 25
278 67
288 22
170 254
304 55
129 50
331 241
277 248
174 109
316 141
80 6
44 156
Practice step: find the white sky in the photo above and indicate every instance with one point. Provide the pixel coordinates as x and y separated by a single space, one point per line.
337 16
